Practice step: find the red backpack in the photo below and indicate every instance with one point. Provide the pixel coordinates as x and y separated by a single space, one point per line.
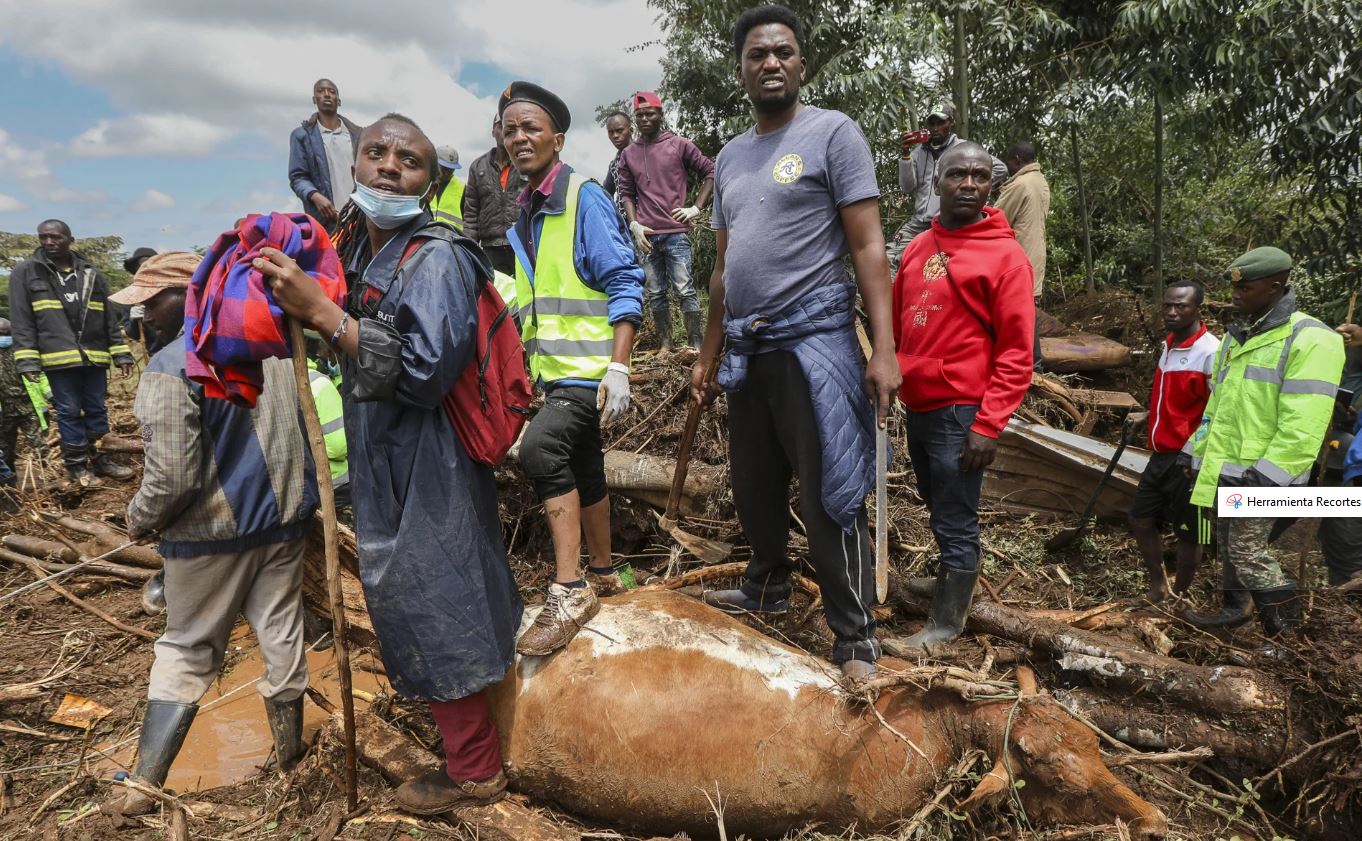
490 402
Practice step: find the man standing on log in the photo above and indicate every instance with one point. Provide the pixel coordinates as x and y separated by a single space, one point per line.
321 157
579 293
1182 384
232 494
431 557
964 323
653 178
1275 379
64 328
801 398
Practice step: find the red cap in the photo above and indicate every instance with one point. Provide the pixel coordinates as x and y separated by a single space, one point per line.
647 99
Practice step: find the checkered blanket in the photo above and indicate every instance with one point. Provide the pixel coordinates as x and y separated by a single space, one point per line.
231 322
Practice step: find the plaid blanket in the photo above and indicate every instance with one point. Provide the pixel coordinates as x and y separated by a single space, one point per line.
231 322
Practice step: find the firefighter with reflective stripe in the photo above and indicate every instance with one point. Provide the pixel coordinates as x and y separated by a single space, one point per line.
63 327
332 418
1272 395
579 294
447 206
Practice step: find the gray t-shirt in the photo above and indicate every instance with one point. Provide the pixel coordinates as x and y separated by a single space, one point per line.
340 157
779 197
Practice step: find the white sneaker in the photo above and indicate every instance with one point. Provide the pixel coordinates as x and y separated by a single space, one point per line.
565 612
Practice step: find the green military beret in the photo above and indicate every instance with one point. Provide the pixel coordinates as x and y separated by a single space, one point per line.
1259 263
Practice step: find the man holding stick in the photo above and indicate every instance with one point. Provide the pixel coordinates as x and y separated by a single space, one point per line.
232 494
431 557
801 398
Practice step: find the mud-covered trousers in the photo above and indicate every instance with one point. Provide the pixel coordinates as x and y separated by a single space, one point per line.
774 436
205 593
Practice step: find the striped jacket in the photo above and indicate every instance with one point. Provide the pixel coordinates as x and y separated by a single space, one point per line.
54 328
220 478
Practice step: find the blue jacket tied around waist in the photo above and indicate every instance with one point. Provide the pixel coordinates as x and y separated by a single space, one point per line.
819 330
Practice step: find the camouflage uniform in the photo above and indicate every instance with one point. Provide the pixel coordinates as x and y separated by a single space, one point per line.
16 411
1247 555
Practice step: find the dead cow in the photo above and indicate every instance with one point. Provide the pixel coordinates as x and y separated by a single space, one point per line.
661 698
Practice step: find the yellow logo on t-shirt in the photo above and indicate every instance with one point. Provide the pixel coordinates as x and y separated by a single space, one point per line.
788 169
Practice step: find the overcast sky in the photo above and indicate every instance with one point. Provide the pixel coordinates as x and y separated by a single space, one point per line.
162 121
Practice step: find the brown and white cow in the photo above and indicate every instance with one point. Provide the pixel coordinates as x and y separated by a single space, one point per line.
661 698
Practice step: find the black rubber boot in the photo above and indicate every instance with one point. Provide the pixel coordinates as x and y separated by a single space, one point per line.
163 730
662 322
104 465
286 723
76 457
1237 605
695 329
950 604
1278 609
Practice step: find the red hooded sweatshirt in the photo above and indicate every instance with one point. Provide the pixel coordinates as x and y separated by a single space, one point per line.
946 353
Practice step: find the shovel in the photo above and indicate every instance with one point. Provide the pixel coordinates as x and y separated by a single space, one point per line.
709 551
1068 537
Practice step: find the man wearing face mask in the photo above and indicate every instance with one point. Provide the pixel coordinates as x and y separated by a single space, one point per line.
431 557
579 291
917 174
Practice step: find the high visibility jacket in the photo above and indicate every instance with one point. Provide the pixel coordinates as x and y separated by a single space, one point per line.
448 205
37 395
57 328
505 286
564 323
1272 396
332 419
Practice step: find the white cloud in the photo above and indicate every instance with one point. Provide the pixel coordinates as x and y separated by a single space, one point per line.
152 200
9 204
149 136
30 168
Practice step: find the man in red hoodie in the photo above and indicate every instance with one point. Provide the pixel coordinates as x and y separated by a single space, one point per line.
963 326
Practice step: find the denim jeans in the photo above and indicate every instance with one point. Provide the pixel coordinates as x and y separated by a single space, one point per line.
935 440
79 396
669 264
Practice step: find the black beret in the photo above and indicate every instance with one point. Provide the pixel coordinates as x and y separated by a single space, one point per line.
530 92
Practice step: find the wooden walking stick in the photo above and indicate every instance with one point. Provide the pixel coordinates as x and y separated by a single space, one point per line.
333 580
709 551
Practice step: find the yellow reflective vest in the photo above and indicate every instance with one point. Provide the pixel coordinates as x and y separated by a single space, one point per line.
564 323
1272 396
332 419
447 207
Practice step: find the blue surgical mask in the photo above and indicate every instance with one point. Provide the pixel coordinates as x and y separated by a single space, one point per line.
386 210
6 341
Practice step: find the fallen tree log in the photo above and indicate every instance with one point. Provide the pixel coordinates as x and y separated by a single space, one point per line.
133 574
399 758
1110 662
648 479
108 538
1082 352
40 549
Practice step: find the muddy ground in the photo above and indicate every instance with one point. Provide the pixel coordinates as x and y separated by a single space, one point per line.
53 777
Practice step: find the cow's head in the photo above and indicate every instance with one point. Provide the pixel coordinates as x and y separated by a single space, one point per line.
1058 757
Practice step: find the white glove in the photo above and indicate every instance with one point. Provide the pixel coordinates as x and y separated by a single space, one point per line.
641 236
612 400
686 214
137 312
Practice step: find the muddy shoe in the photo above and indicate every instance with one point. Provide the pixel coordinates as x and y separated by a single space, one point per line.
858 670
565 612
104 465
738 602
435 793
605 584
124 804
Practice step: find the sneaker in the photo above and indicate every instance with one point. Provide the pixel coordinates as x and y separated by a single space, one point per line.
434 793
104 465
737 602
564 613
605 585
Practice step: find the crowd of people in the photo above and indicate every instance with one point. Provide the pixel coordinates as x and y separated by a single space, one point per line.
950 302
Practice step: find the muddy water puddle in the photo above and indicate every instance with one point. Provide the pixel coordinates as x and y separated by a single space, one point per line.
230 739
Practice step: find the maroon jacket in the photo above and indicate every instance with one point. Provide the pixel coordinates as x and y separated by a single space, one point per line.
652 175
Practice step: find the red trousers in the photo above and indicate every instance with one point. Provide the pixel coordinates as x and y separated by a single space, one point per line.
472 749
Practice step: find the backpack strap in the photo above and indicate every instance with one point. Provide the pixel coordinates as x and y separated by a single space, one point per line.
370 298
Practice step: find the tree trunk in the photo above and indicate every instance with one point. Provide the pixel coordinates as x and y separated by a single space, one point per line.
1158 201
1090 280
961 78
1111 662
